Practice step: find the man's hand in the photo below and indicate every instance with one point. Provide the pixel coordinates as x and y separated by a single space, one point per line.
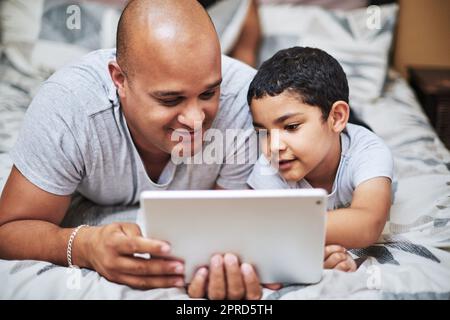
227 279
109 250
336 257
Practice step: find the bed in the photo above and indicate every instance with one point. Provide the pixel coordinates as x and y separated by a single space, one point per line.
411 260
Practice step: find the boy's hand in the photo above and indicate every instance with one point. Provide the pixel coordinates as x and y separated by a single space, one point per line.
336 257
227 279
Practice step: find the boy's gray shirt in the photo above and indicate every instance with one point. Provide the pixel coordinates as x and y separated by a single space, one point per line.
75 137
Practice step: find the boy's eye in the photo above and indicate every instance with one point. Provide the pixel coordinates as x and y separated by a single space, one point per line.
292 127
207 95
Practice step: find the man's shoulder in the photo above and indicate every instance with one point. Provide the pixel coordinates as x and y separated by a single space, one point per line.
236 76
86 80
234 112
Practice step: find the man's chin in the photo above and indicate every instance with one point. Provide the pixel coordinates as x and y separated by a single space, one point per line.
184 151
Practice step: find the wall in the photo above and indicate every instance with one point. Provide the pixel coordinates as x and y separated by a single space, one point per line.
423 35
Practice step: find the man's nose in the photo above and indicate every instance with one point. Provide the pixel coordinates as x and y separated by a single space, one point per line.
192 116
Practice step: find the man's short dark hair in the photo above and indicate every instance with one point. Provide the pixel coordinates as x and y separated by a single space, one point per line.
310 74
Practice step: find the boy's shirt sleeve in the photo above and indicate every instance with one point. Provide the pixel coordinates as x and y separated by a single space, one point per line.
372 161
47 150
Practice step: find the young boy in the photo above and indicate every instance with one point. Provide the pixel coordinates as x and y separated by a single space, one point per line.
300 96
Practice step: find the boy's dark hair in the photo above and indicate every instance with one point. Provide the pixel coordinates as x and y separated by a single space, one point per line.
309 73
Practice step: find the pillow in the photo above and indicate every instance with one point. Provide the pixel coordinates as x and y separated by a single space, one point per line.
228 18
46 34
329 4
359 39
43 35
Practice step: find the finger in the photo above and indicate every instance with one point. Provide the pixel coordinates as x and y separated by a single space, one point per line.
253 290
197 287
148 267
273 286
130 229
334 259
353 265
235 283
149 282
330 249
216 284
136 244
349 265
343 266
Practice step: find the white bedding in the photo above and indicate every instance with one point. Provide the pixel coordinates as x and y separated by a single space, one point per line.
411 259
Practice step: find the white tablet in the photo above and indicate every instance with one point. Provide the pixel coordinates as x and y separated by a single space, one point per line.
280 232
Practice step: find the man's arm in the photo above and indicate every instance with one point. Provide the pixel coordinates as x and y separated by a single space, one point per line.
29 229
361 224
217 187
29 219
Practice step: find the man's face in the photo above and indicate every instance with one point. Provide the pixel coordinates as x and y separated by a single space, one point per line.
175 100
298 138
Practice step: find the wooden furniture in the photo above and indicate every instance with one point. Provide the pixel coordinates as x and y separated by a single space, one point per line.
432 86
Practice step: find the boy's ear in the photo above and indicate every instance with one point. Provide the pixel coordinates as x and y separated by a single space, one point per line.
338 117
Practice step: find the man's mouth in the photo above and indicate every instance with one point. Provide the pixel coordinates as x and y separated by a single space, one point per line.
188 135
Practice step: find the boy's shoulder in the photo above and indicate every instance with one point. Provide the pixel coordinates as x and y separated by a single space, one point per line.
357 140
364 156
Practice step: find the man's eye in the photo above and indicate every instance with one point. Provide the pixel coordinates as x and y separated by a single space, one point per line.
292 127
207 95
171 103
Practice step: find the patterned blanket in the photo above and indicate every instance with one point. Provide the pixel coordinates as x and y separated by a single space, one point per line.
410 261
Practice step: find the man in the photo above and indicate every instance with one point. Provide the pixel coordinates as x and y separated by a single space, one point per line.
104 127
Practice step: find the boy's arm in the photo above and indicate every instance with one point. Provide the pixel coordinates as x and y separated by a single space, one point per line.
361 224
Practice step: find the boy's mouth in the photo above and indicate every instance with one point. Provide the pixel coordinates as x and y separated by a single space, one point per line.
286 164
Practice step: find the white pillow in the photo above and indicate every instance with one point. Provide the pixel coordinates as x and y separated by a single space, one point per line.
44 35
328 4
49 33
359 39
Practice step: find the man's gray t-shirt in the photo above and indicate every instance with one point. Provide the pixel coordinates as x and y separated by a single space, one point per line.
75 137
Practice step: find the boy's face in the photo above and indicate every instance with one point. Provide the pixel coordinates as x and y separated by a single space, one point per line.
296 131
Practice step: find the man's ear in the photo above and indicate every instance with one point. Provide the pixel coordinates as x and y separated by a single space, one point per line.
338 117
118 77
